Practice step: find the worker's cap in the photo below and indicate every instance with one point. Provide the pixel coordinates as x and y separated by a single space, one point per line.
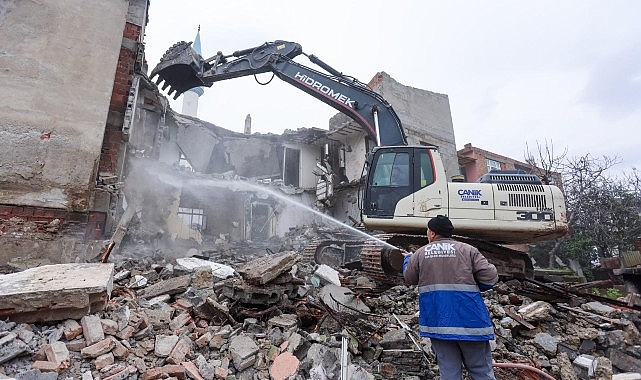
441 225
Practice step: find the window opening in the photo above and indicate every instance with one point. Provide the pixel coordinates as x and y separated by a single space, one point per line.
492 165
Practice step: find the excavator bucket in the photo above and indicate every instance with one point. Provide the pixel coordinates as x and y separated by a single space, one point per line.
180 68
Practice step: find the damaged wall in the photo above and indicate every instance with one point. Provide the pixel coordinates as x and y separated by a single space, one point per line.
210 149
198 140
56 80
426 117
254 157
309 156
214 150
175 210
67 70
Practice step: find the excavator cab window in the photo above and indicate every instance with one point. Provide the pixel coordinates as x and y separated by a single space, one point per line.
426 169
392 169
391 181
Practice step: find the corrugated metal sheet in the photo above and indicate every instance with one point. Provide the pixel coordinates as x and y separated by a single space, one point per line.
631 259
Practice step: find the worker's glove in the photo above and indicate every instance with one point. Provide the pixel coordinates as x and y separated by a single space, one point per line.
484 287
406 259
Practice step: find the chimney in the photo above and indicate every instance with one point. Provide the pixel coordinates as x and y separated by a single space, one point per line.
248 125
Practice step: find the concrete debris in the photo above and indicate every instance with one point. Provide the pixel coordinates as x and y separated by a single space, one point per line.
627 376
599 308
327 275
189 323
536 311
257 295
268 268
170 286
55 292
342 299
220 271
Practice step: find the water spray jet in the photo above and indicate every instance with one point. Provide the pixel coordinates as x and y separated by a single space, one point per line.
244 185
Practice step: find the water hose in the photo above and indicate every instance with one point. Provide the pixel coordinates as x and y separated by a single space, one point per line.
523 366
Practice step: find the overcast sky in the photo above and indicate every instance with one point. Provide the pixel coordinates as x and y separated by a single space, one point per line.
516 72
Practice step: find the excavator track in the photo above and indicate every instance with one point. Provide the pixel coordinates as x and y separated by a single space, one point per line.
381 259
334 252
509 262
375 263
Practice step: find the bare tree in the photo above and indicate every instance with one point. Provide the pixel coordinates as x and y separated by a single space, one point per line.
545 163
602 207
603 211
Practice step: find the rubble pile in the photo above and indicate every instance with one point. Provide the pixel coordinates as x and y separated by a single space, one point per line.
275 317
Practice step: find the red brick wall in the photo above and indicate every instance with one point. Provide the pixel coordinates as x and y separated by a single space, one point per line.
43 220
118 104
474 162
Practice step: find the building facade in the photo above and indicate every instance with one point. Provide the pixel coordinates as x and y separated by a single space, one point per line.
474 162
69 67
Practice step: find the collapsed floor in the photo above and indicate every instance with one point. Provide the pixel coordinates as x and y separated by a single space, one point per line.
274 315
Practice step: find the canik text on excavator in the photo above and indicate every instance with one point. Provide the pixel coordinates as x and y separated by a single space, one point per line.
404 186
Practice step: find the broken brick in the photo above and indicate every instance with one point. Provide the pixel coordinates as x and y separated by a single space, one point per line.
98 348
71 329
177 371
45 366
284 366
57 352
192 371
104 360
180 351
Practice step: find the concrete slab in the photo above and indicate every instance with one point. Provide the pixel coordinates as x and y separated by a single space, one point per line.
170 286
327 275
342 300
220 271
267 268
55 292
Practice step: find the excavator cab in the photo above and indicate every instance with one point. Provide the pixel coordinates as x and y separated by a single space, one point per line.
395 175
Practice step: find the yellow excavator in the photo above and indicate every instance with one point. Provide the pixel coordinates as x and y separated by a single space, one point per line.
404 186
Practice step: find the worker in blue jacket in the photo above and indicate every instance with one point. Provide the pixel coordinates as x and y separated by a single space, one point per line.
450 276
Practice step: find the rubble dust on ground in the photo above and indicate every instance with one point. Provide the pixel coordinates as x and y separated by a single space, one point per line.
236 312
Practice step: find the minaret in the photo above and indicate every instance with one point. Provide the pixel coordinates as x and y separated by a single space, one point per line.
190 97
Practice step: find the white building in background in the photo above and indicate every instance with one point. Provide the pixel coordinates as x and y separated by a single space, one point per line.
190 97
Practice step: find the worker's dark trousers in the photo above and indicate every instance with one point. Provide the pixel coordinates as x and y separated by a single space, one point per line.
453 354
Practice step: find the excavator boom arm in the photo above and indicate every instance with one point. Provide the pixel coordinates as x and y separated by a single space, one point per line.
182 69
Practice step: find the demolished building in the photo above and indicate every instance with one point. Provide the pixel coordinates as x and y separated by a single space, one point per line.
82 131
264 315
91 148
